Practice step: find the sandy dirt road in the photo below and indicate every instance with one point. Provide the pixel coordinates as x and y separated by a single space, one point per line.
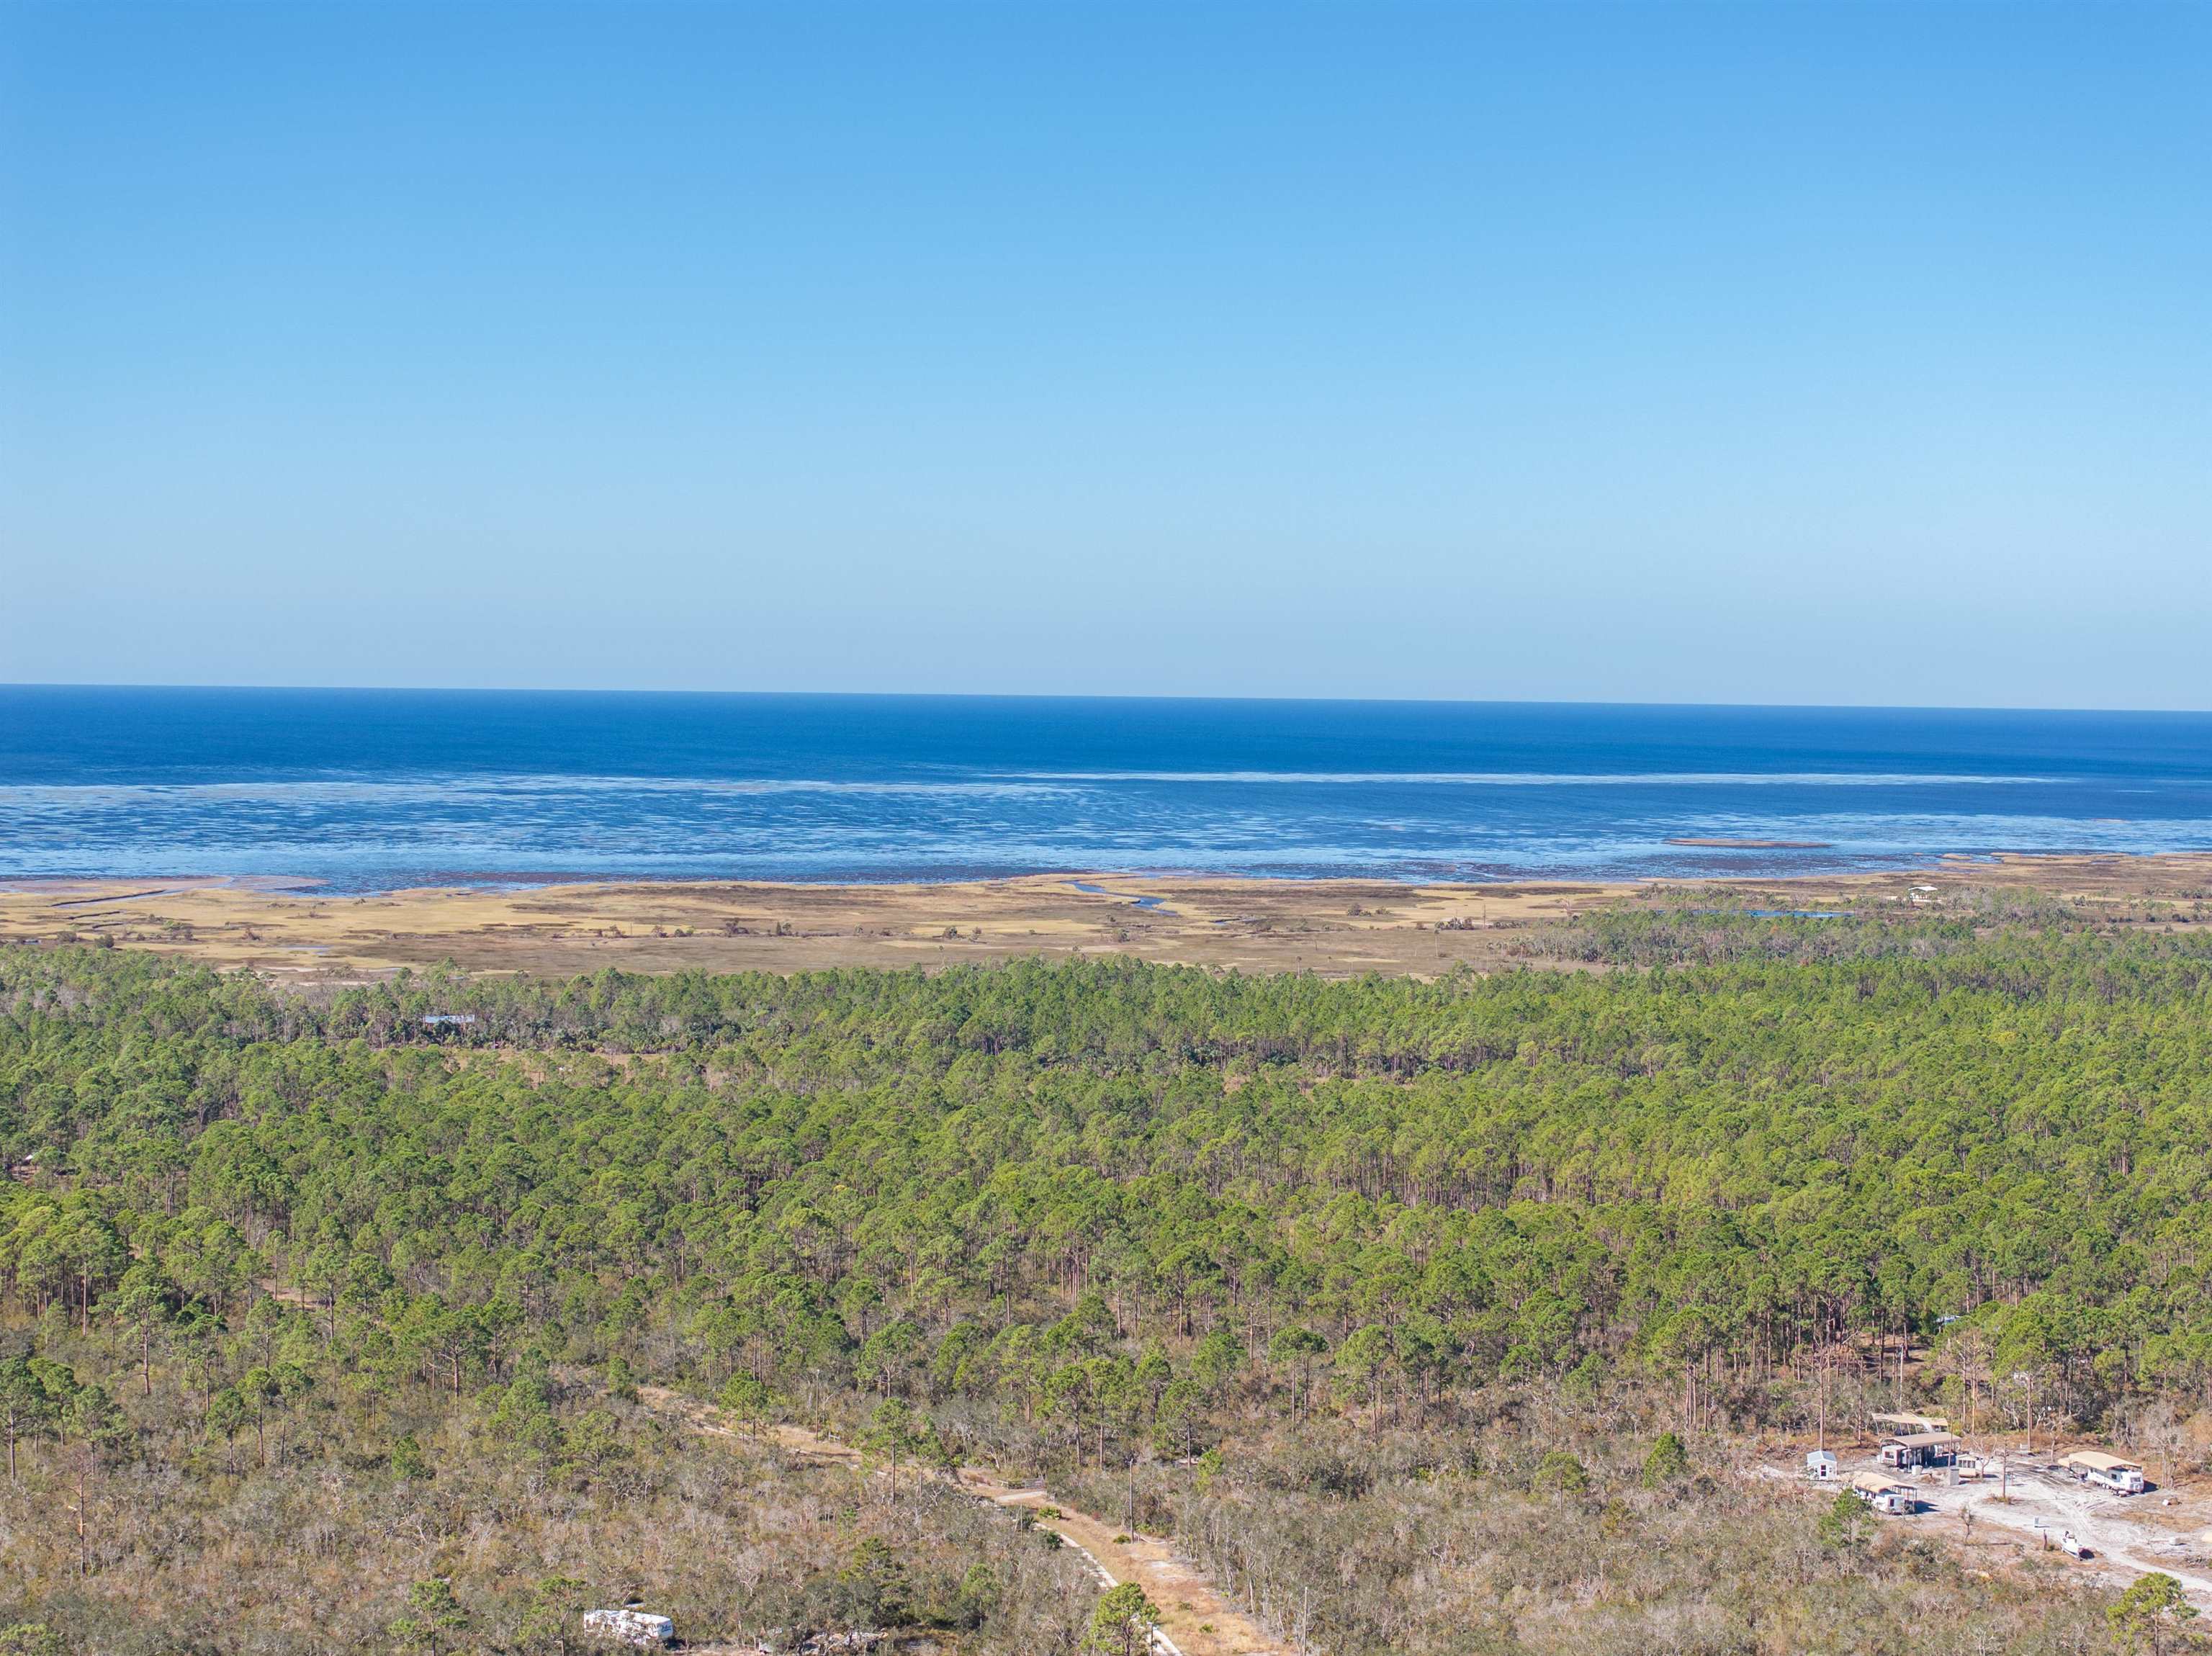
1196 1619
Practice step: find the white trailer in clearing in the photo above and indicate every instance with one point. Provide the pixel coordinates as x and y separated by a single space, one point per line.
2106 1472
1884 1494
631 1626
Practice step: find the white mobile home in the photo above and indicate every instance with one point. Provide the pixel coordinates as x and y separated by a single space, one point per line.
2106 1472
1884 1494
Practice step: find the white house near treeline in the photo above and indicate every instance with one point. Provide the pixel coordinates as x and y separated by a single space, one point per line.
2106 1472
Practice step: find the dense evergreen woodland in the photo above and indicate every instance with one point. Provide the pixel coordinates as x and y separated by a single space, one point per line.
327 1315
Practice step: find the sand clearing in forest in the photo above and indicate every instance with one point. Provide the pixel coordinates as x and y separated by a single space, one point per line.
1336 927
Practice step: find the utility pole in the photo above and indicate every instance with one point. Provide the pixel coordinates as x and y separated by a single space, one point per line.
1823 1443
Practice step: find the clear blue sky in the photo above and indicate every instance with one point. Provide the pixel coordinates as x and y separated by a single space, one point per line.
1780 353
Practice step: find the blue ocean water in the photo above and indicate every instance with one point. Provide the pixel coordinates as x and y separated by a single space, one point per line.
369 790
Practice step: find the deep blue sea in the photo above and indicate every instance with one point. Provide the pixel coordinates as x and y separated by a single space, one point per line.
370 790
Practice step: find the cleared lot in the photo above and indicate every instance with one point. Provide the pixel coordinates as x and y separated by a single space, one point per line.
2128 1535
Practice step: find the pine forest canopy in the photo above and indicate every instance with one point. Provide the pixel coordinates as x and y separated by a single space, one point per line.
1793 1140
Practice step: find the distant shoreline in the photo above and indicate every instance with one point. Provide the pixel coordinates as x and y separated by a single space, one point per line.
1756 845
1495 882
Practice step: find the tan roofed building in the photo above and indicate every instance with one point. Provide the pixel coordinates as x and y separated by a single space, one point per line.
1906 1423
1883 1493
1936 1448
2106 1472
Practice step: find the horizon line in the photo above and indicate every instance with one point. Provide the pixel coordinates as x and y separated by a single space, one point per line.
1161 697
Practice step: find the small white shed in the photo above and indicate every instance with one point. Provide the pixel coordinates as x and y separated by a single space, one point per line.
1820 1466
